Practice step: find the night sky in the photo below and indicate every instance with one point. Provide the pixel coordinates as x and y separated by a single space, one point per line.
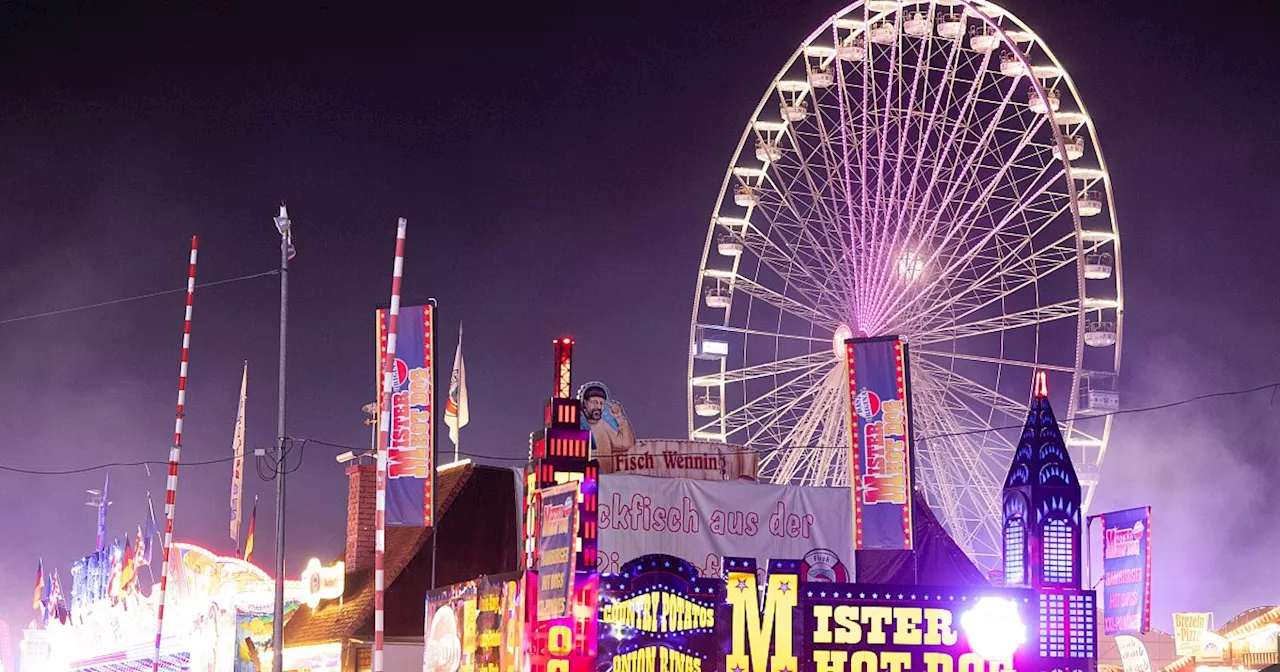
557 165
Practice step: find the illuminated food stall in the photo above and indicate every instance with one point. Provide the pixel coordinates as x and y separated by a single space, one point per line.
1248 642
818 610
218 609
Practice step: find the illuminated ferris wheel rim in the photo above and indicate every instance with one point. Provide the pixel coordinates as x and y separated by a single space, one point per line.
1011 33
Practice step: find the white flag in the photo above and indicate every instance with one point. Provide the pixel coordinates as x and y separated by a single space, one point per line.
455 408
237 465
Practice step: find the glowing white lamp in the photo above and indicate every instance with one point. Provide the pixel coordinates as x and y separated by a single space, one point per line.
994 628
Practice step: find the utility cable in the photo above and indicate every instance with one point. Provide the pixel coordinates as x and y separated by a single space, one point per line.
919 439
139 297
108 465
301 442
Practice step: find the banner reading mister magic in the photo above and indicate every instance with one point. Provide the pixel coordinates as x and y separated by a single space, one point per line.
409 455
1126 571
880 443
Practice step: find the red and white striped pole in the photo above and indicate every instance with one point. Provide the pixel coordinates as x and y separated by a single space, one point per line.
384 431
171 492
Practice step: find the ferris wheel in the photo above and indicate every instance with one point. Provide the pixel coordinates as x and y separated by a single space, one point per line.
924 169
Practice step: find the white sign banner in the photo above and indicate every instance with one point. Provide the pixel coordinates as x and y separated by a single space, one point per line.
704 521
700 460
1188 632
1133 654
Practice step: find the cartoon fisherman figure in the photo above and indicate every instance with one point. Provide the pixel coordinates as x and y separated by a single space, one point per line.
611 432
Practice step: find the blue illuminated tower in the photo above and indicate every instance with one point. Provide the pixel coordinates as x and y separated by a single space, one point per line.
1042 534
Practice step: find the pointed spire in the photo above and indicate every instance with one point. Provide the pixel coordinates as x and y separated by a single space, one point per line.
1041 457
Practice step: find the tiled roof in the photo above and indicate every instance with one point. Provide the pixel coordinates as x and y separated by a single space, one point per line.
477 535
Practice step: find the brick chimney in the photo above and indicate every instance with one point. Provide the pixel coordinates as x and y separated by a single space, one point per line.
361 500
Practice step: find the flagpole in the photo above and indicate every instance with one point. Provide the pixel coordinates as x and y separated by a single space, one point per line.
456 447
384 430
435 442
175 452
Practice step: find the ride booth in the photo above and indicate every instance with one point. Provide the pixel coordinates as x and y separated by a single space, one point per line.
662 613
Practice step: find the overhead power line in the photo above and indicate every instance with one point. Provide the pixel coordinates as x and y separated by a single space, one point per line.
139 297
919 439
108 465
301 442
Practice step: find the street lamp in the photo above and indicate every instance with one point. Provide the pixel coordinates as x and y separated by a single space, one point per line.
284 226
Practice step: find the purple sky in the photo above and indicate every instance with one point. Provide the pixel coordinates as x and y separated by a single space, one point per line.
557 165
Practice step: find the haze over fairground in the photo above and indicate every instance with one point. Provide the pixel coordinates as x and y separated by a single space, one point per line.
557 165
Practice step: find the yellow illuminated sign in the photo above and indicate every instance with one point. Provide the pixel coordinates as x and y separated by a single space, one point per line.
323 583
845 637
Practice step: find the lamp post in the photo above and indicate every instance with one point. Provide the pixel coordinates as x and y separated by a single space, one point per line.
283 225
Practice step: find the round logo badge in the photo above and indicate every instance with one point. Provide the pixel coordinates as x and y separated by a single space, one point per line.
400 376
824 566
867 404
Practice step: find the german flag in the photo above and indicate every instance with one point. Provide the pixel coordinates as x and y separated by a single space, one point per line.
248 540
35 599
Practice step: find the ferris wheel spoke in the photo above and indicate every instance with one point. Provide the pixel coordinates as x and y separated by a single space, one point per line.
963 257
961 263
902 226
959 420
790 249
783 261
801 458
1006 322
728 329
794 273
963 482
944 91
767 423
789 182
790 365
777 300
806 242
977 177
1006 278
1031 367
1006 273
1011 411
821 190
763 405
885 294
949 149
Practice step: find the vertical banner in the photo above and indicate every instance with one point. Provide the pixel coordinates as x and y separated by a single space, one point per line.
880 443
557 533
1126 571
409 453
237 463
